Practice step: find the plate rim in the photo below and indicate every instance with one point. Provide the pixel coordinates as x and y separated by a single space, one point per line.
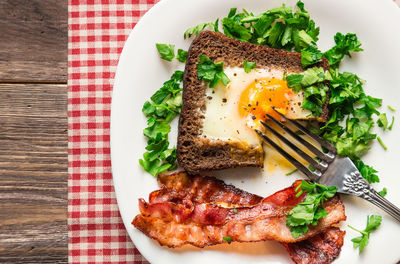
142 21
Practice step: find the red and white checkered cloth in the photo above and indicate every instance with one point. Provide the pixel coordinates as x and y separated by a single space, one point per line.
97 32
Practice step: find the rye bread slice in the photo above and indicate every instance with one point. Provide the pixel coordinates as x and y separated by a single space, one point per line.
196 153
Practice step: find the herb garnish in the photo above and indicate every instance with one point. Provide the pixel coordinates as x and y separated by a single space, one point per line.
165 105
227 239
291 172
391 124
381 142
382 121
383 192
310 210
200 27
211 72
373 222
181 55
280 27
167 52
248 66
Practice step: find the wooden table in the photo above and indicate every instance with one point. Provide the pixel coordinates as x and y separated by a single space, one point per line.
33 131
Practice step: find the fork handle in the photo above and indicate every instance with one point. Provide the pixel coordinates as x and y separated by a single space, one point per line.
356 185
383 203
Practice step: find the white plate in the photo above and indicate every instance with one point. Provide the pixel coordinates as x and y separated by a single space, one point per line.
141 72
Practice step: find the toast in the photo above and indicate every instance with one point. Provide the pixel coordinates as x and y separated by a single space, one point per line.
198 153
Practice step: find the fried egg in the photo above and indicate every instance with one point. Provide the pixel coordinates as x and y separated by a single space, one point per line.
233 111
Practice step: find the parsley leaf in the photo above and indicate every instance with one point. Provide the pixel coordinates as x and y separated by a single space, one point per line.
383 192
382 121
200 27
310 210
248 66
310 56
211 72
368 172
282 27
312 82
227 239
373 222
181 55
166 51
165 105
344 44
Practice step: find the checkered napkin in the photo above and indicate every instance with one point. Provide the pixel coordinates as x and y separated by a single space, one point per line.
97 33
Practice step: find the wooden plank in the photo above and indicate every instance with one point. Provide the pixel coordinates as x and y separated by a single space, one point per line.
33 42
33 169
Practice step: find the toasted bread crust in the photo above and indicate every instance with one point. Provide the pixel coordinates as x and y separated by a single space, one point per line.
197 153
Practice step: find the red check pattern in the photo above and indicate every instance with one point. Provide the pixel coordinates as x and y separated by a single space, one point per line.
97 33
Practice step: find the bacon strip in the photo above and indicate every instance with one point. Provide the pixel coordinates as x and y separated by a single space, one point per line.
205 223
320 249
180 186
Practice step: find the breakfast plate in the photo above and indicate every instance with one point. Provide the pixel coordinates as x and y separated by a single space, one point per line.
141 72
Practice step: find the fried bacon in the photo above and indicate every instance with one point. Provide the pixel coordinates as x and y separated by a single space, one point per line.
184 219
180 186
320 249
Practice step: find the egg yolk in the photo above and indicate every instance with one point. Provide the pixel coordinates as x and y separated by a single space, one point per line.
261 95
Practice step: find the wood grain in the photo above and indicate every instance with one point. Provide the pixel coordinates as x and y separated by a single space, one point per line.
33 42
33 169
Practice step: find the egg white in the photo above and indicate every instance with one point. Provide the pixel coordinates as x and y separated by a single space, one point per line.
222 120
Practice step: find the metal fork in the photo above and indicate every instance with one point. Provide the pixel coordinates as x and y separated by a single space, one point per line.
332 170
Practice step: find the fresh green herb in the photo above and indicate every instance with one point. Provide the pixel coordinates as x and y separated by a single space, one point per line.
181 55
280 27
211 72
312 82
382 121
311 209
165 105
348 102
344 44
227 239
235 210
391 108
368 172
383 192
310 56
200 27
391 124
373 222
291 172
166 51
382 144
248 66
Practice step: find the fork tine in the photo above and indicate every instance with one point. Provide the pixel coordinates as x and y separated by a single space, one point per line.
317 152
320 166
317 138
312 175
